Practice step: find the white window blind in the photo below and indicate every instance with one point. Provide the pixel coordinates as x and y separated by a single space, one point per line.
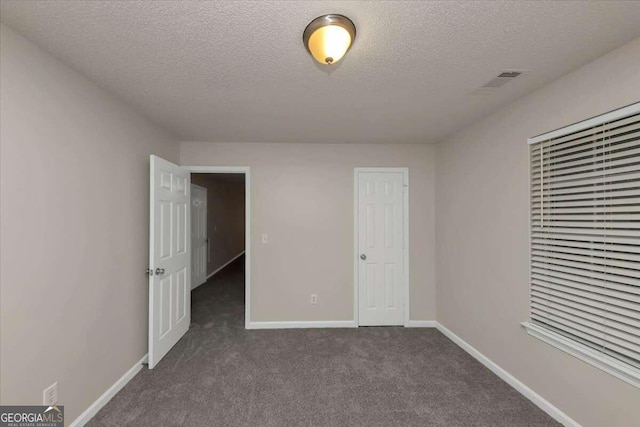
585 237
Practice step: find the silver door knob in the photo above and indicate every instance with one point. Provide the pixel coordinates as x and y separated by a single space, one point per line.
363 257
159 271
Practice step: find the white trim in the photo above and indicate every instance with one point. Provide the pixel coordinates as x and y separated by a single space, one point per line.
92 410
534 397
356 295
356 283
620 113
587 354
304 324
247 226
220 268
421 324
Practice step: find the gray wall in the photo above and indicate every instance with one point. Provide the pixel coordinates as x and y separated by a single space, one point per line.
482 201
302 197
225 216
74 230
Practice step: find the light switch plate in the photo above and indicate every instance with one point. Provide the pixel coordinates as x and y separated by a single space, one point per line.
50 395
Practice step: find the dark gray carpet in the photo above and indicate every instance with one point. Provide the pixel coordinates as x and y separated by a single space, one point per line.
220 374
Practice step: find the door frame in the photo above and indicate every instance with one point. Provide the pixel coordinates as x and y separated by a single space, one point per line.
356 279
247 226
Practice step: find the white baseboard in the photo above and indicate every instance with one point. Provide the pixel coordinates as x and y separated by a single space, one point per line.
534 397
92 410
421 324
303 324
330 324
220 268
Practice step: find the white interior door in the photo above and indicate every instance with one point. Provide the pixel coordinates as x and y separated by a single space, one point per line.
380 248
169 253
199 240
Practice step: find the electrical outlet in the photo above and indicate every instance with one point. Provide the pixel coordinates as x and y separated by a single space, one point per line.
314 299
265 238
50 395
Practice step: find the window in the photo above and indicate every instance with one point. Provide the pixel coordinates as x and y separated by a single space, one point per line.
585 241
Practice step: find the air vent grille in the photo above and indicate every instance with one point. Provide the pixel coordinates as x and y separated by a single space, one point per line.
501 79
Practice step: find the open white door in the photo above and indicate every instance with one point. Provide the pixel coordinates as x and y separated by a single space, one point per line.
169 254
199 239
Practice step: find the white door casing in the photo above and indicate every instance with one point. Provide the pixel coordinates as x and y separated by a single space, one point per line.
382 270
199 239
169 257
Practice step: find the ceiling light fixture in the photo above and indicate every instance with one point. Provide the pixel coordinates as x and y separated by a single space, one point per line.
329 37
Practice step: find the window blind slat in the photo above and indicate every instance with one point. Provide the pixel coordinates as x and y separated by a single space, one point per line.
603 259
601 197
594 216
594 249
592 232
548 234
584 202
596 224
592 209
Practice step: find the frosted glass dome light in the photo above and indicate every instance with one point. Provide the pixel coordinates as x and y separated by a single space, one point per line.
329 37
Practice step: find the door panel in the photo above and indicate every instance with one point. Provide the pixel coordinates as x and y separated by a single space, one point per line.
380 226
199 241
169 253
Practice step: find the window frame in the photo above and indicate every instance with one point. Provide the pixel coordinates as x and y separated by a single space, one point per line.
602 361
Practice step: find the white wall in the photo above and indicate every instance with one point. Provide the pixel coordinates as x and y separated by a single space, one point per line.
302 197
482 218
74 230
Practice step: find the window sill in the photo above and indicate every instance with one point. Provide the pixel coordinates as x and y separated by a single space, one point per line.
601 361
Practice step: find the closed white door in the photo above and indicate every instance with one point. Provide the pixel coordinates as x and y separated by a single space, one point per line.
199 240
169 252
380 248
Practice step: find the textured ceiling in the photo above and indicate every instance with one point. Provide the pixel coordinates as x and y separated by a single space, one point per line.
237 71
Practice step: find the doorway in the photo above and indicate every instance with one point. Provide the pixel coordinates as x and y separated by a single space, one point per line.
217 223
217 250
220 255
